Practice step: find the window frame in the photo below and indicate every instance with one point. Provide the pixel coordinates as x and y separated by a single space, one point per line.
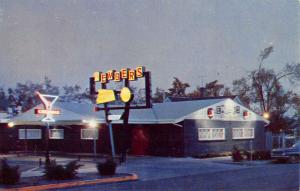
27 131
89 138
243 133
61 130
211 138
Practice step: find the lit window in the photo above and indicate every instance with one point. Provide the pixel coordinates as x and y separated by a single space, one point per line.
56 134
89 134
243 133
30 134
210 134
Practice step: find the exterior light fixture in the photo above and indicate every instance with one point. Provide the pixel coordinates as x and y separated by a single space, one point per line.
92 124
266 115
11 124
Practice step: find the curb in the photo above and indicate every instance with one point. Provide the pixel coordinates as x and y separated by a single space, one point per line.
130 177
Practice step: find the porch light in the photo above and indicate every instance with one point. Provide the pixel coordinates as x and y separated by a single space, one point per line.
11 124
92 124
266 115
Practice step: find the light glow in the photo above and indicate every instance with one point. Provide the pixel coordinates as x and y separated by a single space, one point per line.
11 124
266 115
92 124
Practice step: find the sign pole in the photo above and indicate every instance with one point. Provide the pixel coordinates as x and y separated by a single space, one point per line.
125 138
48 112
111 140
126 95
94 143
108 123
47 161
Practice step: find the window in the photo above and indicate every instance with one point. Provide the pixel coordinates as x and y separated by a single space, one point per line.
237 109
30 134
242 133
89 134
56 134
211 134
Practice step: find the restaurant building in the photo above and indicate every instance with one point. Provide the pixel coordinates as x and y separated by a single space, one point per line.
180 128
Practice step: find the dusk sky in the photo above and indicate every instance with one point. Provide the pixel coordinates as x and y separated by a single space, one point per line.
195 40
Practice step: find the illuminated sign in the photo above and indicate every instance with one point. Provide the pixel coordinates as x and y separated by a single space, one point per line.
126 95
105 96
46 112
125 73
48 101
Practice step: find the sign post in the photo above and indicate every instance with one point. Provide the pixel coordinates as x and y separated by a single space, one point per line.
48 101
104 96
113 152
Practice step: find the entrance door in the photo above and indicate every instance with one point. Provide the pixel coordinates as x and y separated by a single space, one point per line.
140 141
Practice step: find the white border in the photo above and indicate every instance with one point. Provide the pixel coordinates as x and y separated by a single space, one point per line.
211 131
91 138
243 137
28 137
61 130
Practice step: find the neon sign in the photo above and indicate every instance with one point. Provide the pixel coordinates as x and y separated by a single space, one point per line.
125 73
48 103
125 95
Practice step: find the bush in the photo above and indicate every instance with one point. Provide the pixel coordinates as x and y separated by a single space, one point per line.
54 171
8 174
259 155
236 154
107 168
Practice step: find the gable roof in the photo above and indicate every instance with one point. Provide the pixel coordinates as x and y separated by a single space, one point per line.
76 113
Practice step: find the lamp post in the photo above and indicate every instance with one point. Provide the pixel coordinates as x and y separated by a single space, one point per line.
93 124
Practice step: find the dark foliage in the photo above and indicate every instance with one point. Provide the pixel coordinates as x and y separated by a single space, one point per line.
107 168
8 174
259 155
54 171
236 155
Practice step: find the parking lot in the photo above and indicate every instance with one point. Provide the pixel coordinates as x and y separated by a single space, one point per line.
167 173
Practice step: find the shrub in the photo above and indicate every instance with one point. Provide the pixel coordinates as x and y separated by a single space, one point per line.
71 169
236 154
260 155
54 171
107 168
8 174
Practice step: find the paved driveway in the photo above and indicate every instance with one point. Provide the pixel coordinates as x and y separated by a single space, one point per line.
151 168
